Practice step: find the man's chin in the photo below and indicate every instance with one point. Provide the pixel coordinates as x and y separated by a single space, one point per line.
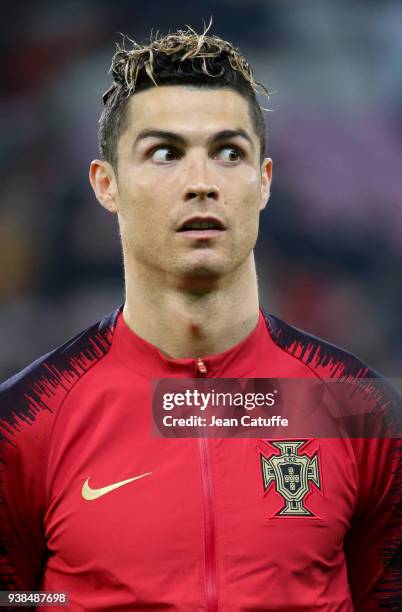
200 278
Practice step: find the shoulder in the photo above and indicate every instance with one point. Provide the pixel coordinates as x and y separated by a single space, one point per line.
42 386
319 354
343 372
29 402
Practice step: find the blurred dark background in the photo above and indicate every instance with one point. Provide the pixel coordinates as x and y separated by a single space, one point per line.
330 249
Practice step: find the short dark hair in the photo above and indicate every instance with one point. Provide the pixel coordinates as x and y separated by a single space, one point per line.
180 58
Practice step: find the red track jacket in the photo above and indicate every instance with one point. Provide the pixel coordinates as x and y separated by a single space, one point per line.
194 528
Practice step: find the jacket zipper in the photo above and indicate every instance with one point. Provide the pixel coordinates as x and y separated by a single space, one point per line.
209 514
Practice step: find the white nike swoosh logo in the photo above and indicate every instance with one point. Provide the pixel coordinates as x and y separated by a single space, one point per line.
89 494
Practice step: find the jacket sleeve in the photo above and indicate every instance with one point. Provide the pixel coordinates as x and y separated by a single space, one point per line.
22 503
374 543
29 403
27 407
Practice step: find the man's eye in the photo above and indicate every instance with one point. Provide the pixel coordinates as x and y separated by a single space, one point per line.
164 155
229 154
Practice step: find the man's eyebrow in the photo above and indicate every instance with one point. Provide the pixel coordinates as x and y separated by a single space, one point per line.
229 134
160 134
178 139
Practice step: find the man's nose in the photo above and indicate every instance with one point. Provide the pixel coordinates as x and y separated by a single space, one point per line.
199 185
201 190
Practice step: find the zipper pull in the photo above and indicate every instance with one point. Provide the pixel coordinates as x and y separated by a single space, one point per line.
201 367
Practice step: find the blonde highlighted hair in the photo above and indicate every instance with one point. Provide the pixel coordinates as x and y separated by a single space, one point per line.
180 58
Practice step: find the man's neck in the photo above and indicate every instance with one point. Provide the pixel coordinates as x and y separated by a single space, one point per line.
184 324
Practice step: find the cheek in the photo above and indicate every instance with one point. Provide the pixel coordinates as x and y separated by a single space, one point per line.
253 186
246 184
247 195
143 220
136 204
149 193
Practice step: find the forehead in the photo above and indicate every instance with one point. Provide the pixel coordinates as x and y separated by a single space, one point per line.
188 110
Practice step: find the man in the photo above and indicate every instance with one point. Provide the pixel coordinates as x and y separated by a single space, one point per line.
96 506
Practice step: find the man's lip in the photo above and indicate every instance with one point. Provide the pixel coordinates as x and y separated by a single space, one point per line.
202 234
200 219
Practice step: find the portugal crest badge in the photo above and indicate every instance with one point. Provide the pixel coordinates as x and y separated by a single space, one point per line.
293 473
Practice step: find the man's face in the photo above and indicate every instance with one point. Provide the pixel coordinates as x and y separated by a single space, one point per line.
189 157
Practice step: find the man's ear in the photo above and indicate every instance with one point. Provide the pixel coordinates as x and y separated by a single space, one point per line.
104 184
266 179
